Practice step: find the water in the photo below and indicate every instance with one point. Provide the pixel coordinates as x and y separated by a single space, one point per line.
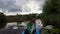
13 28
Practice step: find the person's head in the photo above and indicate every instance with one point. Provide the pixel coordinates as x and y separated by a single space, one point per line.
33 20
30 20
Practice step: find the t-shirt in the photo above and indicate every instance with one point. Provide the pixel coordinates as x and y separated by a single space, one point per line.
30 27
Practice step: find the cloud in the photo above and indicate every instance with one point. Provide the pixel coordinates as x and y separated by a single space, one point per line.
9 5
15 9
19 5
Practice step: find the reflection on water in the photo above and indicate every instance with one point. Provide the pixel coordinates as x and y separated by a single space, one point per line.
11 24
15 25
12 28
23 24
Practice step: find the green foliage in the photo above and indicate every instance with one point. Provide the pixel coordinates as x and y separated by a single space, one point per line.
55 31
24 17
51 13
50 7
3 20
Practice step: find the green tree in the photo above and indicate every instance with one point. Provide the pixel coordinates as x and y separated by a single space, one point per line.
51 13
19 18
3 20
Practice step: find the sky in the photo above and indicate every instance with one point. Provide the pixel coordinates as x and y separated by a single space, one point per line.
12 7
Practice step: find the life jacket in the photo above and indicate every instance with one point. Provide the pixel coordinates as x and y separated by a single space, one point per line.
29 28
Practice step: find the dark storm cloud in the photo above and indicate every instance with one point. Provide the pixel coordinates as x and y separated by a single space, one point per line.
15 9
9 5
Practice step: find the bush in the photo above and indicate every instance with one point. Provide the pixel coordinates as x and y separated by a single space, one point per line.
3 20
51 13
